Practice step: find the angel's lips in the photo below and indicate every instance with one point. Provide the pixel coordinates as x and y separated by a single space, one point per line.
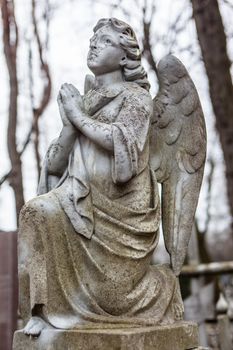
92 55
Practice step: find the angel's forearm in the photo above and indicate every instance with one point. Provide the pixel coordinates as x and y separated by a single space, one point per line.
59 152
99 133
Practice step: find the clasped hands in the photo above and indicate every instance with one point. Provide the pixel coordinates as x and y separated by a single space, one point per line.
70 104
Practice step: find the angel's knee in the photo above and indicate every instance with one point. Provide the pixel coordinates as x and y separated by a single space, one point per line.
37 209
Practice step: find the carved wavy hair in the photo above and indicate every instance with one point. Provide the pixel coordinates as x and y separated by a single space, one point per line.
133 70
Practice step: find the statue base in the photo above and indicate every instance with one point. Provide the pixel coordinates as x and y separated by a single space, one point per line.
180 336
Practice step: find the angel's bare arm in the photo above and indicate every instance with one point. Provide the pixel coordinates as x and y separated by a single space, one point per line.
60 149
98 132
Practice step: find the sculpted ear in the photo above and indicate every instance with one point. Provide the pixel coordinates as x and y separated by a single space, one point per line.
123 61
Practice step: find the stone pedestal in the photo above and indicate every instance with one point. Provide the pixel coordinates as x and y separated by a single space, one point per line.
181 336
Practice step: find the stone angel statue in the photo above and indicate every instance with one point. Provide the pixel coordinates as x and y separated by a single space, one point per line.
86 241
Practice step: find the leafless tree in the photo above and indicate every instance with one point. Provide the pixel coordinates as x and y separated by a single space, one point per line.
10 41
47 85
213 43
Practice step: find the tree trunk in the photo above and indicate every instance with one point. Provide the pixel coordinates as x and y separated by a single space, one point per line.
212 39
10 41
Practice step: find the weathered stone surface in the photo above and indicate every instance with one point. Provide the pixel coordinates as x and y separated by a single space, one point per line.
224 333
176 337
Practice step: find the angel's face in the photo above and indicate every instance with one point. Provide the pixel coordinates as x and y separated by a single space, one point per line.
105 54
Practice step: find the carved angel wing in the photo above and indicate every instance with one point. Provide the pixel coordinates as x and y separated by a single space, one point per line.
177 154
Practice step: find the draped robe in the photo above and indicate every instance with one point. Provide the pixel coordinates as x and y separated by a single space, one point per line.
86 242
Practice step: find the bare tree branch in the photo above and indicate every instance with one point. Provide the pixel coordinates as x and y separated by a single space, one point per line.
10 42
37 112
14 175
26 143
147 50
228 3
176 27
209 189
5 177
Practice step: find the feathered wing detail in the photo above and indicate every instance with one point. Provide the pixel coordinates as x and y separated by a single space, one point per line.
177 154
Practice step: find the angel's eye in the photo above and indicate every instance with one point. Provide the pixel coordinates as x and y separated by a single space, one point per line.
108 41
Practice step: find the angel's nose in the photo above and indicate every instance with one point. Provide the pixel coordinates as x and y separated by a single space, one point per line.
93 45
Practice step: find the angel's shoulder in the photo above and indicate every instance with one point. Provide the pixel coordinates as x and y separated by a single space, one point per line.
136 95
